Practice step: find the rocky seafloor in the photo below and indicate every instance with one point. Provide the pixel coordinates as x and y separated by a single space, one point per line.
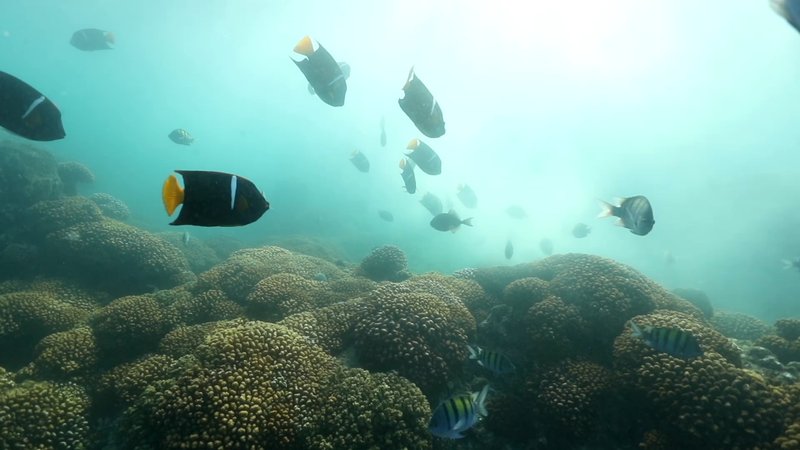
112 337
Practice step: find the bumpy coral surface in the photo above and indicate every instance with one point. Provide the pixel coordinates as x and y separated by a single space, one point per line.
786 350
122 385
703 402
27 175
130 326
73 173
523 293
189 308
417 334
42 415
280 295
386 263
66 356
331 328
788 329
238 275
185 339
26 317
117 257
554 330
111 207
52 215
201 257
738 325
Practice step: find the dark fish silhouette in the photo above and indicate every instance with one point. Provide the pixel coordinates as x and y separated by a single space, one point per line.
27 112
581 230
322 72
509 249
409 180
181 136
634 213
449 221
345 70
516 212
420 106
90 39
386 215
789 10
424 156
213 199
360 161
432 203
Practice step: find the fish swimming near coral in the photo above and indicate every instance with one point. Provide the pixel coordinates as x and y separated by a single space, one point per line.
409 179
181 136
323 73
432 203
425 157
634 213
420 106
213 199
467 196
386 215
26 112
91 39
360 161
789 10
497 362
581 230
509 249
671 340
546 246
449 221
457 414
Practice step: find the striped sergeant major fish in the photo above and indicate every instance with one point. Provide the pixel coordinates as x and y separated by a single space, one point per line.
492 360
458 414
671 340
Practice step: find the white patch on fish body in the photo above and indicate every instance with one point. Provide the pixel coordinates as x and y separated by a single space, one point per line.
33 106
234 186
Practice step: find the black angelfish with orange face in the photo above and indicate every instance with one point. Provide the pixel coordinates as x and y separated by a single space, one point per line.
323 73
213 199
420 106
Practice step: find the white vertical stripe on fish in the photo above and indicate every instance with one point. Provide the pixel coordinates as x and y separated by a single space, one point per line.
33 106
234 186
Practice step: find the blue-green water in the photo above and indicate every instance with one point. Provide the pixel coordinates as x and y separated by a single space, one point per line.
549 106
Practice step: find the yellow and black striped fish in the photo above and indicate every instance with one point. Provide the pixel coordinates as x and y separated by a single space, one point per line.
492 360
458 414
674 341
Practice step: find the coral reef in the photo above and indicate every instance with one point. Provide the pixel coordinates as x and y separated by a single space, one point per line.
238 275
209 306
417 334
65 356
117 257
786 350
27 175
386 263
738 325
788 329
48 216
201 257
309 246
110 206
330 328
129 327
280 295
523 293
121 386
554 330
28 316
697 298
43 415
73 173
183 340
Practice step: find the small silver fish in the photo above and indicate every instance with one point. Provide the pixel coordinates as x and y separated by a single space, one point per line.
185 238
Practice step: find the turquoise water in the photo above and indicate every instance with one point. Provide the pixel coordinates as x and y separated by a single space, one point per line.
550 107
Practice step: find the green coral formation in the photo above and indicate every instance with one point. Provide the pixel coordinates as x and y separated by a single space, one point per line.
27 175
738 325
130 326
523 293
788 329
43 415
281 295
201 257
419 335
65 356
48 216
786 343
386 263
344 289
28 316
209 306
704 402
121 386
73 173
554 330
238 275
110 206
118 257
330 328
183 340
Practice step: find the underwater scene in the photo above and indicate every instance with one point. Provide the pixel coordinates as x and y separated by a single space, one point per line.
427 224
